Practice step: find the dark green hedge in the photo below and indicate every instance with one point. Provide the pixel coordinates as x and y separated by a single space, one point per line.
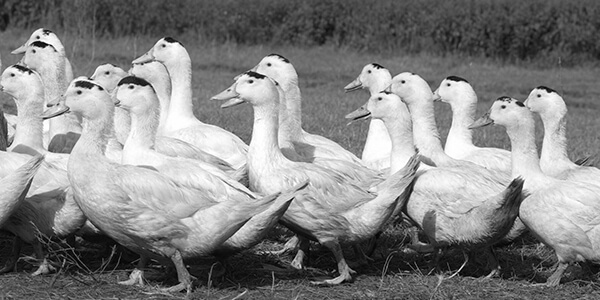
510 30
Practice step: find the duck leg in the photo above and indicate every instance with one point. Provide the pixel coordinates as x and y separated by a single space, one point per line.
343 268
11 262
291 245
492 262
184 277
45 266
137 275
554 280
303 248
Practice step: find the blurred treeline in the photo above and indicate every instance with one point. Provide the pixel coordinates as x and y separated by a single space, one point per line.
507 30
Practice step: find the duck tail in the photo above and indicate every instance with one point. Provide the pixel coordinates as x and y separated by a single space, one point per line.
502 216
16 185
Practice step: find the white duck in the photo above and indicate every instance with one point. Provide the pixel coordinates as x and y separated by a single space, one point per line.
310 147
377 149
137 96
49 63
137 207
49 208
457 92
156 74
48 37
554 160
330 210
562 214
416 93
181 122
450 205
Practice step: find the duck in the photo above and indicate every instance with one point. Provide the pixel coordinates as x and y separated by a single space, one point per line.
554 161
311 147
462 98
49 63
448 203
137 97
49 208
376 151
16 186
416 93
562 214
329 210
49 37
136 206
156 74
181 122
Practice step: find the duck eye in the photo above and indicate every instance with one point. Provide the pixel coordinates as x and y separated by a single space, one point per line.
33 51
269 64
250 81
539 95
379 98
503 106
131 87
107 72
37 37
12 74
447 84
79 92
369 71
403 81
164 45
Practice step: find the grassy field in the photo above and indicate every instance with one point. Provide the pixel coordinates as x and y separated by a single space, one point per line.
323 73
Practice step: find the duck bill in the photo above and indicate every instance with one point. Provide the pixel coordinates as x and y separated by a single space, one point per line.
144 58
54 101
361 113
353 86
55 111
436 96
484 120
20 50
229 95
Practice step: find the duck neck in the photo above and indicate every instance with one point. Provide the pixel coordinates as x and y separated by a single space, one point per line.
462 116
264 146
291 118
425 133
380 84
94 136
29 122
403 148
143 129
181 105
525 160
163 93
554 147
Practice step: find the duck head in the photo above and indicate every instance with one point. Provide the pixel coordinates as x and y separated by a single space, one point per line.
546 102
278 68
252 87
164 49
136 95
369 77
380 106
43 35
452 90
38 54
411 88
507 112
108 75
17 80
84 98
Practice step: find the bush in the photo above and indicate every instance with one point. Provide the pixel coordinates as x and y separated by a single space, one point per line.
510 30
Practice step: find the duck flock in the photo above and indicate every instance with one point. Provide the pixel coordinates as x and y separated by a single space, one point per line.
121 154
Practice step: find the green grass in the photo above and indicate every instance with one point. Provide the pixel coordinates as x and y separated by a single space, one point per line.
323 72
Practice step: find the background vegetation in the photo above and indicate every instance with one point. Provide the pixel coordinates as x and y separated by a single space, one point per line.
542 31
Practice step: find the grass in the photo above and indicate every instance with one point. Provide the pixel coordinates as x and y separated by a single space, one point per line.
323 72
